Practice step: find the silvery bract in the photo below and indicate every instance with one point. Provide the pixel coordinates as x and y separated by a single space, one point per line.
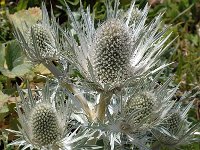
139 110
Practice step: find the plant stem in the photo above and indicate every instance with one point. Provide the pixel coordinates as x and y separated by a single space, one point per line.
58 74
81 99
103 103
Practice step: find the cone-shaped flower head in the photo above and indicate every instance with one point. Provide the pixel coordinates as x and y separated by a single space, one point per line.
43 117
175 130
44 124
173 122
112 48
39 40
145 101
152 101
119 48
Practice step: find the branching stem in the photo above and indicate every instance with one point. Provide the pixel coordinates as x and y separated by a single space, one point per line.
58 74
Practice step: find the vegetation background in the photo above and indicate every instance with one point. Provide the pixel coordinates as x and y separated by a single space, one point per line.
182 15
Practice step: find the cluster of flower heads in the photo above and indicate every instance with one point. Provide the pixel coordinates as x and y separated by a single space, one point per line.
149 113
117 99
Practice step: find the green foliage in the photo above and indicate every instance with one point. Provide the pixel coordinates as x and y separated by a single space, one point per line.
13 64
22 4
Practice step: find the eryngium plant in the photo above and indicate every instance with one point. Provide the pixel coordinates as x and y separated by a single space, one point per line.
39 40
116 98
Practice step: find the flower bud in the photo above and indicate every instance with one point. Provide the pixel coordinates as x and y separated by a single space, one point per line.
173 125
173 122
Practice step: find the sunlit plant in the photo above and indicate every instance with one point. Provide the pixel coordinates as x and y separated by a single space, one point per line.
117 100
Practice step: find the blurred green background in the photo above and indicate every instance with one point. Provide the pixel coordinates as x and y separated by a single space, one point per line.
182 15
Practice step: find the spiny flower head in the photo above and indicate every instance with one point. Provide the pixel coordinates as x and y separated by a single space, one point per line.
152 101
172 123
44 124
145 101
120 48
39 40
175 130
112 48
137 110
43 117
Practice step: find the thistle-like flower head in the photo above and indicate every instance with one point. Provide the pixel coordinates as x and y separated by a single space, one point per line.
45 126
120 48
112 47
145 101
44 122
39 40
175 130
152 100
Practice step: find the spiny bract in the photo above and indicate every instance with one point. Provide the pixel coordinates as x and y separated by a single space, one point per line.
172 123
112 50
44 125
122 48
